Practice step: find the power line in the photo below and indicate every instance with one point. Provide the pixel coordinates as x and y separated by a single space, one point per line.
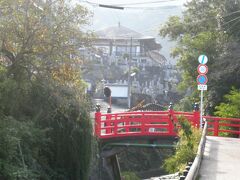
130 5
136 3
231 21
214 18
142 3
110 6
126 5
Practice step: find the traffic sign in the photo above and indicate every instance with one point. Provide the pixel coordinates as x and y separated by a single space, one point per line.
202 87
202 79
202 59
202 69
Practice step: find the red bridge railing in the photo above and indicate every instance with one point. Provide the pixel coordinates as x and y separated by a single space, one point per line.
218 125
150 123
157 123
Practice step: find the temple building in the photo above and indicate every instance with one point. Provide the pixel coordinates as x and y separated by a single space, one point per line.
122 48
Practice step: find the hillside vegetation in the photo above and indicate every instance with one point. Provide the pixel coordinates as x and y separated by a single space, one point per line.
45 129
209 27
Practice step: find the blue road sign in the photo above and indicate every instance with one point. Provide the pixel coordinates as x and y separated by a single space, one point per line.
202 79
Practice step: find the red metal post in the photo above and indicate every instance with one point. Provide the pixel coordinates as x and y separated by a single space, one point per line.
216 127
108 123
143 130
126 123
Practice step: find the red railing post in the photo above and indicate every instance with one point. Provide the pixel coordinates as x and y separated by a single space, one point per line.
216 127
108 123
126 124
143 125
97 124
115 126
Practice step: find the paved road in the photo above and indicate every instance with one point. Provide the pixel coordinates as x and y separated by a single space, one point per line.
221 159
105 105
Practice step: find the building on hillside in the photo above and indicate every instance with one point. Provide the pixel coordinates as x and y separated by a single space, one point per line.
122 47
117 44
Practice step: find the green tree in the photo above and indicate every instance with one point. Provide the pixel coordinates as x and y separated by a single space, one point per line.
203 30
231 105
43 108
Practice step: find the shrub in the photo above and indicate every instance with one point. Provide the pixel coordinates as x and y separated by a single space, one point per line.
186 148
130 176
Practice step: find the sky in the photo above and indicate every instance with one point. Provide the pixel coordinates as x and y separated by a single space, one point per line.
146 18
151 12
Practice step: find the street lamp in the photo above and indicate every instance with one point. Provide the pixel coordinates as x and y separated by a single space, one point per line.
129 75
129 88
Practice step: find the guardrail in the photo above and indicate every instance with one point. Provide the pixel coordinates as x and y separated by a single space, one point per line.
150 123
158 123
193 171
217 125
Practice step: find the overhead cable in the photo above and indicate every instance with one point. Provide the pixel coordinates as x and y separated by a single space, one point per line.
142 3
130 5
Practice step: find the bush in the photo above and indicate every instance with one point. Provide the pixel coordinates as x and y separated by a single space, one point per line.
186 148
130 176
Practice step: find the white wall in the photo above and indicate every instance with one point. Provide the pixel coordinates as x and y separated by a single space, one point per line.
119 91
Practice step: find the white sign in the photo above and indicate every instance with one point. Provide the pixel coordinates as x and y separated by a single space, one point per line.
202 69
202 59
118 91
202 87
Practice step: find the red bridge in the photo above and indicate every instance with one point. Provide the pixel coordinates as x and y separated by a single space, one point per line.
157 123
164 125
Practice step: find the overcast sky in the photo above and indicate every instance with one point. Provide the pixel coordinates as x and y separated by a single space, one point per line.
141 17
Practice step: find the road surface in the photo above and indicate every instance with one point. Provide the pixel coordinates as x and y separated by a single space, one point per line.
221 159
105 105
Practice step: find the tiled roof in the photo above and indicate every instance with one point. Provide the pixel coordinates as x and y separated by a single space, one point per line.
119 32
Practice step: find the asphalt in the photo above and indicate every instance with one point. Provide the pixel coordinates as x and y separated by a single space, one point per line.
105 105
221 159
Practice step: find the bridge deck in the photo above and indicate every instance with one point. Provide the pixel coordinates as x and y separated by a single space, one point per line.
221 159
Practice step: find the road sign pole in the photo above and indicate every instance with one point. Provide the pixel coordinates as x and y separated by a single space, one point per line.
202 81
201 110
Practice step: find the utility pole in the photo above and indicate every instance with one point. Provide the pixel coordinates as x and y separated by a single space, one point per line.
129 75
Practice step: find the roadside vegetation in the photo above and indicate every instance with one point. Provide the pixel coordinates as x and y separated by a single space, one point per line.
229 108
129 176
45 128
209 27
231 105
186 150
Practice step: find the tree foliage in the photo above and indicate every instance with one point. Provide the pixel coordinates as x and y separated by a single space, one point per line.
45 128
231 105
207 27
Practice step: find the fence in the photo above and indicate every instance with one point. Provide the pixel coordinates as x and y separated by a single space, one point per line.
157 123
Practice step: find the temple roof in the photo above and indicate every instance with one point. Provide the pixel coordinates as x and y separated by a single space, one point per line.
120 32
